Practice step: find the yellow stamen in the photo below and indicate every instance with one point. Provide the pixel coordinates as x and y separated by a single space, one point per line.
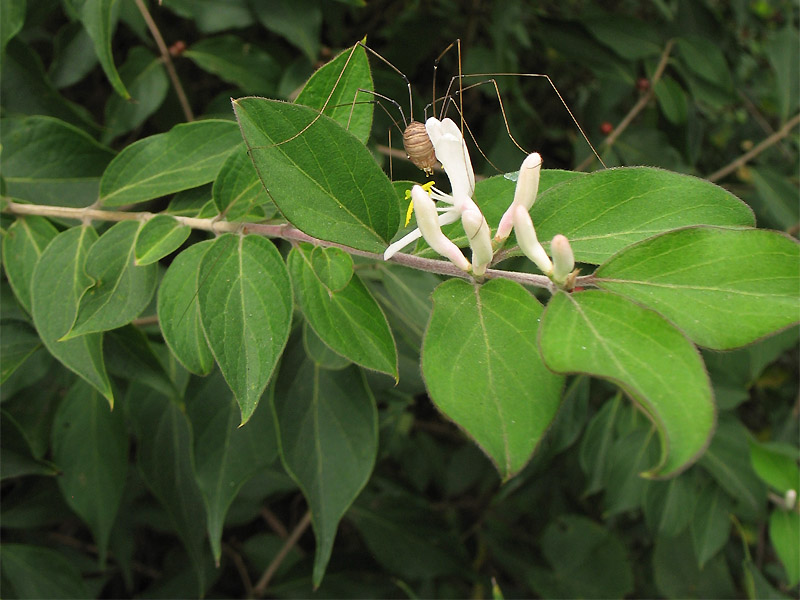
425 186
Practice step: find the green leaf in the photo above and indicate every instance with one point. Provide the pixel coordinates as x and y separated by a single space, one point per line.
328 439
711 523
57 285
211 16
246 310
776 465
145 77
23 244
238 192
631 38
324 181
186 156
12 17
608 336
705 58
668 505
37 572
90 445
157 238
99 17
605 211
348 320
226 455
178 312
73 55
780 50
166 463
238 62
676 574
704 279
121 290
596 444
776 197
340 83
672 100
298 21
483 370
319 352
47 161
784 533
18 342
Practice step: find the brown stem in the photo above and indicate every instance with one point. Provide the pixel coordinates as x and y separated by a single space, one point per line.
756 150
261 587
241 568
274 523
167 59
635 110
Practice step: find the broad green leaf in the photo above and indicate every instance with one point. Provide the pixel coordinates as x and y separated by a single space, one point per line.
17 454
728 461
57 285
705 59
226 455
406 298
672 100
39 572
90 445
784 533
605 211
596 444
349 320
238 192
631 38
23 244
73 55
245 301
323 180
757 585
776 198
319 352
776 465
99 17
130 355
186 156
483 370
145 77
18 342
47 161
780 50
676 574
341 83
178 312
238 62
703 279
121 290
668 505
166 463
587 561
711 523
327 426
608 336
157 238
211 16
333 266
629 456
12 17
298 21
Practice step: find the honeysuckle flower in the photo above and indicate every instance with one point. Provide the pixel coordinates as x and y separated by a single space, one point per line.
563 259
527 240
524 194
452 152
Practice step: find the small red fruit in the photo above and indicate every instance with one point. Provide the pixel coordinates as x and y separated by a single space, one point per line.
606 128
643 84
177 48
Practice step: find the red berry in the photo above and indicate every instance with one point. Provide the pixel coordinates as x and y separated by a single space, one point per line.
177 48
643 84
606 128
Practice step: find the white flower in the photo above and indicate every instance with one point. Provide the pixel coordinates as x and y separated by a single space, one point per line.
527 240
524 194
452 152
563 259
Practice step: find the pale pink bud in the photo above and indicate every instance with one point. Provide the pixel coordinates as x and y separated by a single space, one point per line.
477 230
563 259
428 223
524 194
528 242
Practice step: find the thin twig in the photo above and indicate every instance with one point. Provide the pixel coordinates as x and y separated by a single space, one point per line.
167 59
274 523
241 568
756 150
283 231
261 587
635 110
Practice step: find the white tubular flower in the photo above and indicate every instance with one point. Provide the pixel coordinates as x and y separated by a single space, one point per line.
477 230
527 240
451 151
524 195
563 259
428 223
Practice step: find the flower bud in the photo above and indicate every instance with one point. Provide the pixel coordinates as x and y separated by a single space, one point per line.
790 499
527 240
428 223
477 230
524 194
563 259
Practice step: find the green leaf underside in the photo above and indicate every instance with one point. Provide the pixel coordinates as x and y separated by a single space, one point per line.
349 321
328 438
705 279
159 237
90 444
246 310
57 285
342 106
23 244
483 371
178 313
349 201
605 211
608 336
186 156
121 290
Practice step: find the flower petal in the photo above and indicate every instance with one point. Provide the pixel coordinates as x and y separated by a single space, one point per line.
452 152
477 230
524 194
428 222
528 242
